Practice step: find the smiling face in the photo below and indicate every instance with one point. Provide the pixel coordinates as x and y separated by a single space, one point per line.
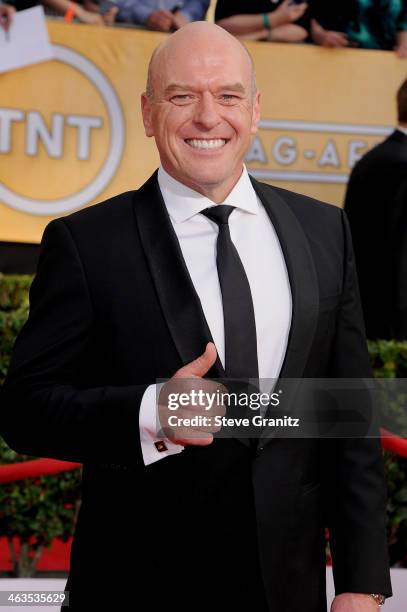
202 109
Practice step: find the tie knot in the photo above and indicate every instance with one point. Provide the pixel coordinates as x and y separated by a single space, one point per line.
219 214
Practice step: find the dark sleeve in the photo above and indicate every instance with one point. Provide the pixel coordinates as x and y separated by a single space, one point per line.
401 24
334 15
355 210
357 495
45 410
397 233
195 10
225 8
352 187
318 10
22 5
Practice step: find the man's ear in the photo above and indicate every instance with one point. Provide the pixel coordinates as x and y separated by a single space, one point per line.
146 112
255 113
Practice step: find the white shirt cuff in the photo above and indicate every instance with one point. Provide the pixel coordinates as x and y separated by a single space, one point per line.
153 447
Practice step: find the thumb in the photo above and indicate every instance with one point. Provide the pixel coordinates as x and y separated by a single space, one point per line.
199 366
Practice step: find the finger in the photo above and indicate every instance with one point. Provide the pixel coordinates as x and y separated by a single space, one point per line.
301 8
205 440
163 25
185 429
340 42
196 432
334 41
341 38
340 35
199 366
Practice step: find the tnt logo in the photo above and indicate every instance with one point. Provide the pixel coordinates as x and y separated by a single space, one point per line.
52 138
63 148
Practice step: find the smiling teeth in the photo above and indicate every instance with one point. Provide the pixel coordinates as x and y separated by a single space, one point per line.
206 144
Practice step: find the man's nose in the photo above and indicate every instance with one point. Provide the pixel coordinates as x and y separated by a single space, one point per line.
206 113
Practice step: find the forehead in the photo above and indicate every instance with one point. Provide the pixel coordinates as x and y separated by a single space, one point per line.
203 67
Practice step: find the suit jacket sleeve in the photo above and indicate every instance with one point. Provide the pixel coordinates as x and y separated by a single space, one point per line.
357 497
46 408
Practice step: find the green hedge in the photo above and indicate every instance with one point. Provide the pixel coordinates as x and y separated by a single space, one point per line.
13 313
46 507
388 358
36 510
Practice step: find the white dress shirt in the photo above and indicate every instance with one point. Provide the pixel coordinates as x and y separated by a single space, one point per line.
258 246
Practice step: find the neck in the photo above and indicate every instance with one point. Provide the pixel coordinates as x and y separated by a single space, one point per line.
215 192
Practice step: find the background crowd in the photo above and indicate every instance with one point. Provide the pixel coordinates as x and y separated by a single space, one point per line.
369 24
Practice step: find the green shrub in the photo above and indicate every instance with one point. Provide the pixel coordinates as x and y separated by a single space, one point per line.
37 510
13 314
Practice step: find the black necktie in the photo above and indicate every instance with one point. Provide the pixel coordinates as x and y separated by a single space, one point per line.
238 312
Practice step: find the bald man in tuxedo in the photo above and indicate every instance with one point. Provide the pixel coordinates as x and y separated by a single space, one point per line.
144 287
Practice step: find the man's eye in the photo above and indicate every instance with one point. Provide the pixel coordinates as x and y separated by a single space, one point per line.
181 98
229 98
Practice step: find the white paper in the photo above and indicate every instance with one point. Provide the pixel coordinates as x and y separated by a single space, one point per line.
26 42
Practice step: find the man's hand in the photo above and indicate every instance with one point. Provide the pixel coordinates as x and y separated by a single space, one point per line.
327 38
161 21
288 13
188 380
333 39
401 47
87 16
179 20
6 16
110 16
354 602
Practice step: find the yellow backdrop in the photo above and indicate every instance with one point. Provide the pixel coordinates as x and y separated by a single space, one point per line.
71 131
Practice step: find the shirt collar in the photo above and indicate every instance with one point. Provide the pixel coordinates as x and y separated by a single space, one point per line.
401 129
182 202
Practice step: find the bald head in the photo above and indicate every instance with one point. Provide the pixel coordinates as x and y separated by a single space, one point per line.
196 40
202 107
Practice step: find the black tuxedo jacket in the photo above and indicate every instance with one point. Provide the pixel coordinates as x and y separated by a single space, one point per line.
226 526
376 205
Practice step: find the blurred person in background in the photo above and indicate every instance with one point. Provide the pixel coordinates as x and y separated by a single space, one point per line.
96 14
161 15
370 24
376 204
69 10
277 21
6 15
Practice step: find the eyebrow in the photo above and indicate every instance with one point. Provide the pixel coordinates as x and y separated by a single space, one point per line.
238 87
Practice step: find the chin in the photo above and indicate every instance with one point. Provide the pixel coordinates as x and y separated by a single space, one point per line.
207 179
206 175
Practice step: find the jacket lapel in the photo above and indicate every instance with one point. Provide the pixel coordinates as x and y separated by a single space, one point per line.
180 304
303 284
